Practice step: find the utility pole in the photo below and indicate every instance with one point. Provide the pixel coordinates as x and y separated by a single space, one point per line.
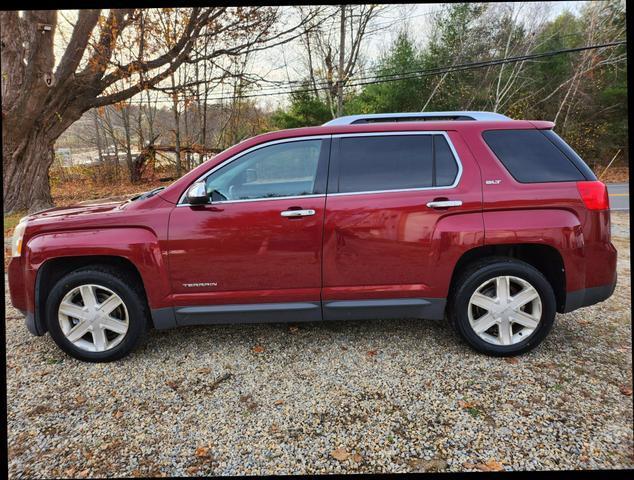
342 48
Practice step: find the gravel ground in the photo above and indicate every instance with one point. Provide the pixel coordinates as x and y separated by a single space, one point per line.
376 396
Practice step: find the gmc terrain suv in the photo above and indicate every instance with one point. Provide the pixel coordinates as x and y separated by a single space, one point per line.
495 224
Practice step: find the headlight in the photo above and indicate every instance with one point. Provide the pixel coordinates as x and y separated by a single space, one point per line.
18 235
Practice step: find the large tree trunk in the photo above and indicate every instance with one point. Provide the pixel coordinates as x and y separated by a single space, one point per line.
25 179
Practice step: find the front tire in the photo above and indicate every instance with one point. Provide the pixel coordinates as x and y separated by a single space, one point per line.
502 306
93 314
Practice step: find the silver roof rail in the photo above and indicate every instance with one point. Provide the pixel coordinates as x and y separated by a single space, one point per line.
416 116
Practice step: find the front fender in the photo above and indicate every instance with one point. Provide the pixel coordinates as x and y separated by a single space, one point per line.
138 245
557 228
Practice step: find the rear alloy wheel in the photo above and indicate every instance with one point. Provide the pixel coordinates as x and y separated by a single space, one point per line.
97 314
502 306
505 310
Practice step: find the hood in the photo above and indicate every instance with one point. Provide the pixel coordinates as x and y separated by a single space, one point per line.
83 208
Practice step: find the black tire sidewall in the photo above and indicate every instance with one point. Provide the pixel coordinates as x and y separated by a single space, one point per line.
475 278
133 303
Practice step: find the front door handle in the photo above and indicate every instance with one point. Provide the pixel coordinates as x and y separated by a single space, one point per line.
445 204
297 213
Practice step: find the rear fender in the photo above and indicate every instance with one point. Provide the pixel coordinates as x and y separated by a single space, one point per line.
557 228
453 235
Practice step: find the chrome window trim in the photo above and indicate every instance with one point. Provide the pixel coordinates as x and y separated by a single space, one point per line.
204 176
401 133
317 195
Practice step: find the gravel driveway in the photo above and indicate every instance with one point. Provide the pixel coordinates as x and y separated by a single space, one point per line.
376 396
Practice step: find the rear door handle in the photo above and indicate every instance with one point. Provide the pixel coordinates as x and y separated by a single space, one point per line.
445 204
297 213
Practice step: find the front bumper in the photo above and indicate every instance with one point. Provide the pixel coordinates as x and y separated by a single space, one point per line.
31 324
17 290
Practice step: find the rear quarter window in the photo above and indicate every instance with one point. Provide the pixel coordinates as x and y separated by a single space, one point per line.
531 157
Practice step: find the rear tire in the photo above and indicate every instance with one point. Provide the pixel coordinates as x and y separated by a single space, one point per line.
110 314
488 291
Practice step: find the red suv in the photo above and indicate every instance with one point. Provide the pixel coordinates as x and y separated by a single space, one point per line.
492 223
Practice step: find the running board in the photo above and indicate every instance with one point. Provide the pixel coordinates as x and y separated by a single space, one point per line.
389 308
429 308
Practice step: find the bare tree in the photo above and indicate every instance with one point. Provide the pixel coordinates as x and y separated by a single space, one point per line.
99 67
334 57
598 25
98 135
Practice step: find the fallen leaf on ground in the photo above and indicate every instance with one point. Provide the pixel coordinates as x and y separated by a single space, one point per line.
80 399
625 390
463 404
340 454
357 458
118 414
511 360
202 451
278 402
192 470
258 349
173 384
490 466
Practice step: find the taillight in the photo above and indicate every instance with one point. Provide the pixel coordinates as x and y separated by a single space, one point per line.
594 194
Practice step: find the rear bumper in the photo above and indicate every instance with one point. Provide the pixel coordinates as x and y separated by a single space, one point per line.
588 296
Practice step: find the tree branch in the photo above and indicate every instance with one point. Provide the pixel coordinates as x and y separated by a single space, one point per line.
77 45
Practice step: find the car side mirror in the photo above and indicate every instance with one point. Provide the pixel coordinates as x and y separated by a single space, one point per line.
197 194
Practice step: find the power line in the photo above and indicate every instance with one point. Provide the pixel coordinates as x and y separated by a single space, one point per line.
289 83
420 73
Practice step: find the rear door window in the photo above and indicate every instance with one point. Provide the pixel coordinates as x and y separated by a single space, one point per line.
531 157
393 162
446 166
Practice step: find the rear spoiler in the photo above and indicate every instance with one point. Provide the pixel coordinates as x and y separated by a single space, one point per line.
542 124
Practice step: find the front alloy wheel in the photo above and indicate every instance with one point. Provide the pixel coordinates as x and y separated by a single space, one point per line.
93 318
97 313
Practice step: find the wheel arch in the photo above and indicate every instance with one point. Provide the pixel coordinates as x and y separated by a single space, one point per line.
53 269
545 258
